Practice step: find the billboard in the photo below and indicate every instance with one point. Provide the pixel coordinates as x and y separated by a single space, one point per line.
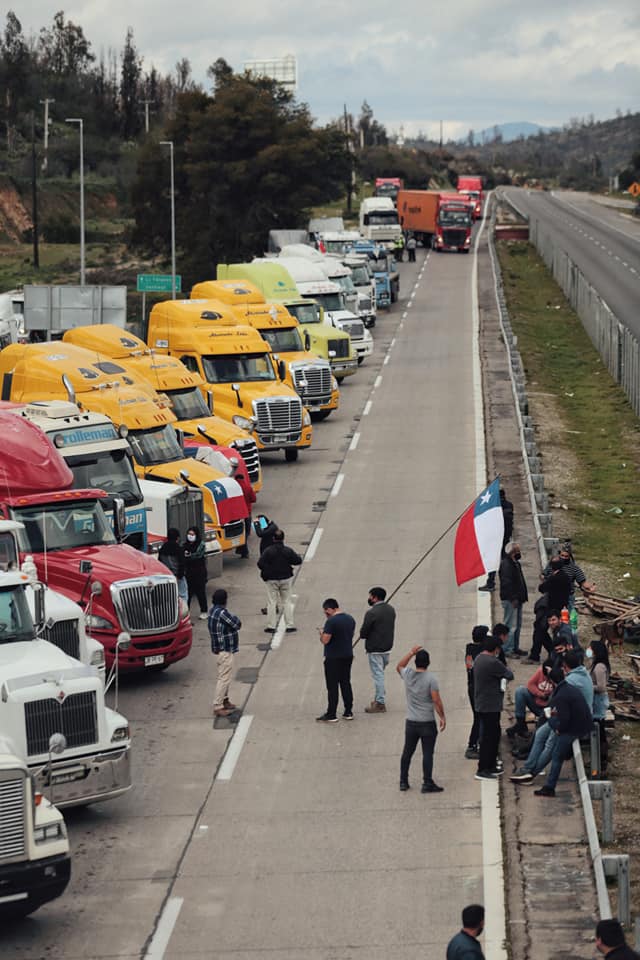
282 69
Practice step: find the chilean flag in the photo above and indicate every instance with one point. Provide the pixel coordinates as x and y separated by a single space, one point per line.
229 499
479 536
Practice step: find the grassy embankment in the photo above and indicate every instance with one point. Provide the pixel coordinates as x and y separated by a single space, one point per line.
588 434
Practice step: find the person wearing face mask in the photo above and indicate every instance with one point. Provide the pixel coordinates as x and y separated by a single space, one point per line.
196 569
513 594
599 668
377 631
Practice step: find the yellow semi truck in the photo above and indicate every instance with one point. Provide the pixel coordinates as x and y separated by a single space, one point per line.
237 367
309 375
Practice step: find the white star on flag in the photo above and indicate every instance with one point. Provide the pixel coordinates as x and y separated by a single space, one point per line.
485 497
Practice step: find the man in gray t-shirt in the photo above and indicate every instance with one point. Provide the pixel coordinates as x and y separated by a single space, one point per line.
423 703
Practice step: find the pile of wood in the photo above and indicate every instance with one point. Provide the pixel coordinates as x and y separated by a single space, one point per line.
615 609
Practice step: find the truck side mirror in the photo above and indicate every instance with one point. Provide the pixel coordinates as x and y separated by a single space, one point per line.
282 370
180 438
236 389
39 611
307 340
210 400
119 518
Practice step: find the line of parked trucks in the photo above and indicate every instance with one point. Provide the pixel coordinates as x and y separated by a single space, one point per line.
109 440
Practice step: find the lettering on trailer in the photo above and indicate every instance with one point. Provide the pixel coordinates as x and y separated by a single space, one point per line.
88 434
135 520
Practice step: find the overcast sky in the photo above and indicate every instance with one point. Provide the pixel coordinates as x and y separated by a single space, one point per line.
469 63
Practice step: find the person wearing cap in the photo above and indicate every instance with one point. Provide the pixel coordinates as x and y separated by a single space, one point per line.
478 636
611 943
513 594
239 473
423 703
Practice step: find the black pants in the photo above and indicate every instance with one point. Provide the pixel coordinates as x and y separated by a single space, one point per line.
541 639
337 674
412 255
474 733
604 745
425 732
489 740
197 584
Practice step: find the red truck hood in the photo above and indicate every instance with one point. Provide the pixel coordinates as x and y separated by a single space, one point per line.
110 563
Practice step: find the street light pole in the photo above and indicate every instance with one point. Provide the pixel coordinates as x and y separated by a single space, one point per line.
82 250
169 143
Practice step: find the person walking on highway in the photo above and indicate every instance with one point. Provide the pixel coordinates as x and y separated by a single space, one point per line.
337 639
412 243
196 569
423 702
513 594
489 676
239 473
465 945
223 630
377 631
507 518
276 563
171 554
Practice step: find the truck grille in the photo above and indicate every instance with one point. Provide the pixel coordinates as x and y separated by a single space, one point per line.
340 347
147 603
355 328
364 305
65 635
249 452
318 386
12 824
235 529
280 415
76 717
453 238
185 511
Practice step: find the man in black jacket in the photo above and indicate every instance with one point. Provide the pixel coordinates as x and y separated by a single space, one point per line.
276 563
610 941
513 594
570 720
377 632
507 517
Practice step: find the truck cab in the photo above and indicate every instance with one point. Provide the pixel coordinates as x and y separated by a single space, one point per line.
379 221
471 187
182 388
35 865
364 282
309 375
453 224
236 366
46 692
277 286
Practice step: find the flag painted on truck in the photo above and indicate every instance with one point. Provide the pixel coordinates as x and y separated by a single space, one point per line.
479 536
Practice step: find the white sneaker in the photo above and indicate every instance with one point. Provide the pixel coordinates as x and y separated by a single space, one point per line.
203 616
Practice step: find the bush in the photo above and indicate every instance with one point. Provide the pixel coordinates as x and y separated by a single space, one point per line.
60 228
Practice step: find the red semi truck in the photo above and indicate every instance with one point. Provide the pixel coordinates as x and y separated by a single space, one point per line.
76 553
472 188
453 224
388 187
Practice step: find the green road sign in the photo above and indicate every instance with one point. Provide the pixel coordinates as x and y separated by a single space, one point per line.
157 283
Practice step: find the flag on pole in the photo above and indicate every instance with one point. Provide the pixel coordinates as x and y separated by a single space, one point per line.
479 536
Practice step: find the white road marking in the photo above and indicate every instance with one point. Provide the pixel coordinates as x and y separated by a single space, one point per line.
335 490
367 409
386 360
313 544
355 440
236 744
166 923
404 315
278 636
377 382
392 343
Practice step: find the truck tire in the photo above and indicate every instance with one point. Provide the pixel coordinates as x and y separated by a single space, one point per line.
339 379
320 415
291 454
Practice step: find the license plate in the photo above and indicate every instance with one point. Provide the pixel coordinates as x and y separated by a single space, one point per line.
280 439
314 409
77 774
154 661
236 541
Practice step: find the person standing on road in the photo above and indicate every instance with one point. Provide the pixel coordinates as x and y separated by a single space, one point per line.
610 941
223 630
507 517
465 945
196 569
513 594
478 637
423 702
377 631
412 243
172 555
337 638
276 563
489 675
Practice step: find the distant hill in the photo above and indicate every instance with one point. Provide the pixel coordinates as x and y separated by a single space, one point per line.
510 131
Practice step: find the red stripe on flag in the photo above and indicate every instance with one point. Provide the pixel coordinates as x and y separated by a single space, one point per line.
466 554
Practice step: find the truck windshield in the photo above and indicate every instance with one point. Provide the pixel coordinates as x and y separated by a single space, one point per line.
283 341
329 301
305 312
360 276
62 526
158 445
345 283
188 404
108 470
381 218
241 368
336 246
473 194
457 218
15 619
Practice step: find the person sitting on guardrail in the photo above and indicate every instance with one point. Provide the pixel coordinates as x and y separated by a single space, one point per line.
534 697
599 669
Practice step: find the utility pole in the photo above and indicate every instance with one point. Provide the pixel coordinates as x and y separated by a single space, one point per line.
80 123
45 159
349 146
34 194
169 143
146 114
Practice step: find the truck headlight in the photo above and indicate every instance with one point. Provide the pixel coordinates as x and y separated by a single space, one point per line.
334 383
183 609
306 419
97 658
245 423
98 623
120 733
48 833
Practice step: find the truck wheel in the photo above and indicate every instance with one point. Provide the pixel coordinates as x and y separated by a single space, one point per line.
360 359
320 415
339 379
466 251
291 454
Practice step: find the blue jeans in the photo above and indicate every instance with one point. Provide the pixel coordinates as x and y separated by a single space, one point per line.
562 750
377 664
183 590
540 753
524 698
513 620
